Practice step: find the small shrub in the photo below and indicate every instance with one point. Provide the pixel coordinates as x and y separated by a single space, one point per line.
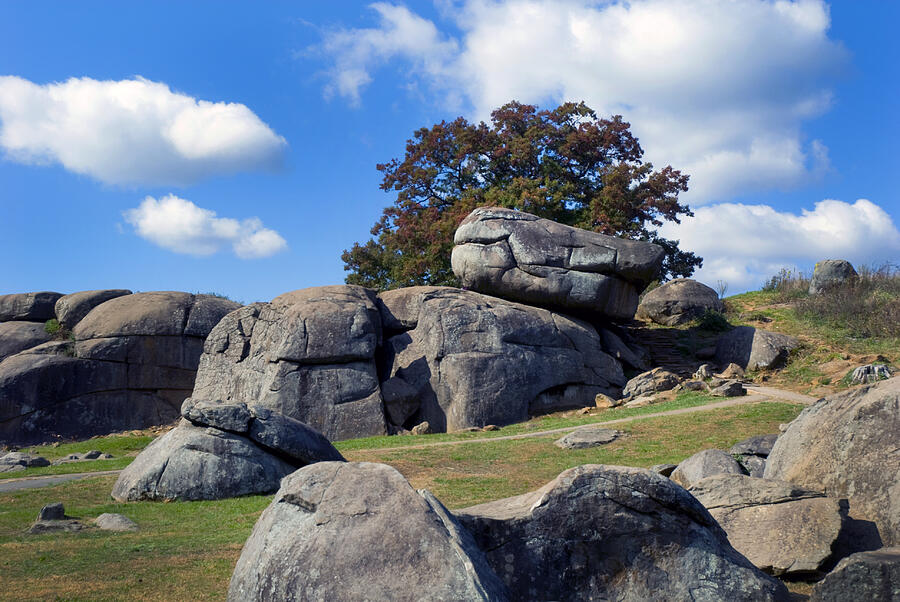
713 321
52 326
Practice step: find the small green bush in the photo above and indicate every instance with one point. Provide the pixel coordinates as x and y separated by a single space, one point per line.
713 321
52 326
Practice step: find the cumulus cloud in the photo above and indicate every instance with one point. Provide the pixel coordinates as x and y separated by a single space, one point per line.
717 89
132 131
744 245
181 226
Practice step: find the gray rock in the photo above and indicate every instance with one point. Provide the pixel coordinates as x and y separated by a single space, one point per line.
846 445
831 272
309 354
663 469
115 522
70 309
232 417
51 526
613 533
754 465
194 463
654 381
704 464
863 576
730 388
693 385
592 436
630 354
11 467
760 445
132 364
423 428
31 307
475 360
23 459
19 336
291 439
326 537
522 257
704 372
678 302
754 349
870 373
401 401
55 511
781 528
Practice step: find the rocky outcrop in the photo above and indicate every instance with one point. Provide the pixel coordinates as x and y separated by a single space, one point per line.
19 336
522 257
678 302
781 528
705 464
752 453
754 349
132 363
831 272
308 354
653 381
222 450
475 360
31 307
590 436
847 446
70 309
358 531
863 576
613 533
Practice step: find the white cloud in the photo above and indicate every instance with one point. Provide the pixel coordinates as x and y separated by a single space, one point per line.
131 131
717 89
181 226
744 245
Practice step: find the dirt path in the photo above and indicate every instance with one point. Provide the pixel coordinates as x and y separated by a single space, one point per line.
757 394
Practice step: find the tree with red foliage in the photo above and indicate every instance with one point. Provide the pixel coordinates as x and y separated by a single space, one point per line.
564 164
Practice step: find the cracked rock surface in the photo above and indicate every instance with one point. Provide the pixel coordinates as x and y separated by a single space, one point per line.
359 531
613 533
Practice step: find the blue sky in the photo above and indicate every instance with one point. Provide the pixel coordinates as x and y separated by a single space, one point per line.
230 147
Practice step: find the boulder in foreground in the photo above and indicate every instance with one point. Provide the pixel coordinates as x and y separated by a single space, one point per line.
754 349
613 533
873 576
358 531
522 257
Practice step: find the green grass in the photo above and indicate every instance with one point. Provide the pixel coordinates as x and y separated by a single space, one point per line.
123 447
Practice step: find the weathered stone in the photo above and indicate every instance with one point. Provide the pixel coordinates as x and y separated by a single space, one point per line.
299 443
760 445
633 355
401 401
11 467
31 307
326 537
613 533
704 372
194 463
873 576
309 354
678 302
781 528
115 522
70 309
605 401
846 445
704 464
663 469
522 257
732 371
132 364
475 360
831 272
654 381
730 388
870 373
23 459
754 465
693 385
754 349
591 436
232 417
55 511
423 428
51 526
19 336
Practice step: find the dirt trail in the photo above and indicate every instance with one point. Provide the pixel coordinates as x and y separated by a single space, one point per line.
757 394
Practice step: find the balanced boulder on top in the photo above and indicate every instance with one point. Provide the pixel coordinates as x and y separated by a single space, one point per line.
678 302
519 256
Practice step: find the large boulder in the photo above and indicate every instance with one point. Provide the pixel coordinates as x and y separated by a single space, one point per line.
781 528
358 531
678 302
613 533
308 354
70 309
847 446
475 360
871 576
652 381
19 336
522 257
131 365
31 307
705 464
831 272
222 450
754 349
